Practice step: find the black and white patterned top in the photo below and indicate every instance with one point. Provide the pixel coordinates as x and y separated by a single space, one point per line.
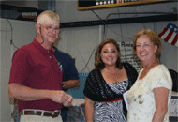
111 111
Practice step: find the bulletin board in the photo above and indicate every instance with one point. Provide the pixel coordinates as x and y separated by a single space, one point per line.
128 56
174 107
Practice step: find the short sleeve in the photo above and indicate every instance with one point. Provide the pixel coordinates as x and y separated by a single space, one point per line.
72 70
162 78
20 67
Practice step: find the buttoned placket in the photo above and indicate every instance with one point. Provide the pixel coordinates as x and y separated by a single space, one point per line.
52 57
49 56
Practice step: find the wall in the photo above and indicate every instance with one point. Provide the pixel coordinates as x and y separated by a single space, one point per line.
120 32
125 32
80 42
23 33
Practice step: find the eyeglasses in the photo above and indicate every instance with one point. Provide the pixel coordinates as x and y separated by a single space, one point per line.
50 29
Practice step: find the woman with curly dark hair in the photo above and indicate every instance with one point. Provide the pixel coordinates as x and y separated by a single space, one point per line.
105 85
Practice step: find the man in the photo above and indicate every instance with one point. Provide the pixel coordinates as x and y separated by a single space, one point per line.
36 77
70 80
70 74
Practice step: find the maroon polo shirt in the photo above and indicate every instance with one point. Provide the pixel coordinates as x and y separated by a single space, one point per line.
36 67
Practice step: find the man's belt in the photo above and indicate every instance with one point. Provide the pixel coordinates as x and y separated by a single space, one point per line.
41 113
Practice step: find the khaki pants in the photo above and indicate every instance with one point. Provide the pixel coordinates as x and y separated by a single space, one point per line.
37 118
40 118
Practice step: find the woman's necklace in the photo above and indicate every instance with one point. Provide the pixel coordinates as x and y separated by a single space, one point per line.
147 68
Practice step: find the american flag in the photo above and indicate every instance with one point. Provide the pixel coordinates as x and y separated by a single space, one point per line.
170 34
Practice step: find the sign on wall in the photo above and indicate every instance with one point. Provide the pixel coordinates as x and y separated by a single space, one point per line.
128 56
174 106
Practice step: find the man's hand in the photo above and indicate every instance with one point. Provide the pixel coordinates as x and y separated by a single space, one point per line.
61 97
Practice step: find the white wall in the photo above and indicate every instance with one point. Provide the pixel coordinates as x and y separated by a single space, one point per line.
5 62
121 32
23 33
169 52
81 41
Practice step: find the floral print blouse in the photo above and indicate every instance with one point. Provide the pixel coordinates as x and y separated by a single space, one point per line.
140 97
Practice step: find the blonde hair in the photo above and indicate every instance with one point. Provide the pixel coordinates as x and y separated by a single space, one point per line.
153 38
47 13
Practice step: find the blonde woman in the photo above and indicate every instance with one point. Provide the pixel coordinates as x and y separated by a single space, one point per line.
149 97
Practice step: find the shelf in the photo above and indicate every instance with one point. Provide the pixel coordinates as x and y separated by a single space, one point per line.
19 13
87 5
